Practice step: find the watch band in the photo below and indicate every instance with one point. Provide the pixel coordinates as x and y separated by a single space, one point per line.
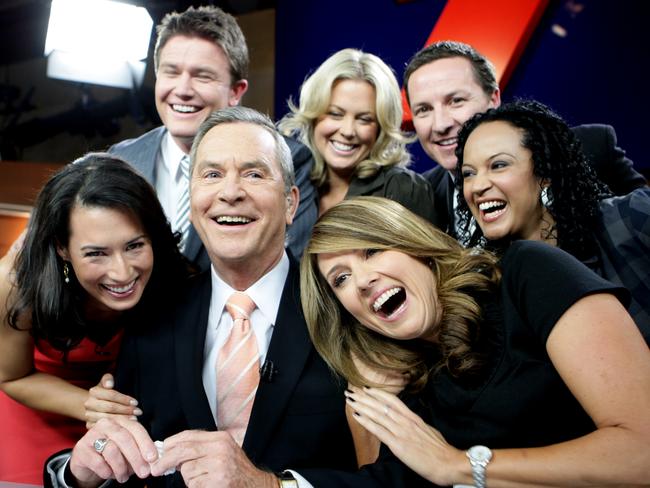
479 457
286 480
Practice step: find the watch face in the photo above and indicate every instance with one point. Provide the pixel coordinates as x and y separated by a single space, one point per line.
480 453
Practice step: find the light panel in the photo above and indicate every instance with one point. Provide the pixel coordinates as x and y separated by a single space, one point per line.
97 41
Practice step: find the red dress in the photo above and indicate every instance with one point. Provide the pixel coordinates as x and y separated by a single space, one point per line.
28 437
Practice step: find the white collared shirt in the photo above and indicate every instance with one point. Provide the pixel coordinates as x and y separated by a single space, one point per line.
266 293
168 176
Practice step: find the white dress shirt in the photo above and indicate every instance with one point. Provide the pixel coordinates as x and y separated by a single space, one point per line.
168 176
266 293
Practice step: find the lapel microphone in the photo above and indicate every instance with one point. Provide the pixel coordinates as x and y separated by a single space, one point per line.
268 371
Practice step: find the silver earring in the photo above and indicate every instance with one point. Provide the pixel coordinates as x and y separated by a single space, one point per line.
66 273
546 197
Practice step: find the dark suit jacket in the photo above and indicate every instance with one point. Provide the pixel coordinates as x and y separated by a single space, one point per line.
297 420
599 145
142 154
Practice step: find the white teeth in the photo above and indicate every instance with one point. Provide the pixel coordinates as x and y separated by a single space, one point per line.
342 146
184 108
233 219
383 297
447 142
120 289
491 204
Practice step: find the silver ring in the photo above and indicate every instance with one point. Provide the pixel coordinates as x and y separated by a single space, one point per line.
386 410
99 445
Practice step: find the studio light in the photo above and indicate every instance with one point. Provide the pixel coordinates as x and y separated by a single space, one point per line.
98 41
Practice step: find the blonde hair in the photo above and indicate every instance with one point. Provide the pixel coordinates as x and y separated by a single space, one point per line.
460 276
316 92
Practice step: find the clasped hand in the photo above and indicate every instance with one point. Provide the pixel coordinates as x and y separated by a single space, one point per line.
203 458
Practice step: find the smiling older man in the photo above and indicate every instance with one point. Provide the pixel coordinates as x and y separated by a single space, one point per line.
288 414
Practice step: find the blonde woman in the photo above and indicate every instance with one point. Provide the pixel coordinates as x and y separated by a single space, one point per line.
349 115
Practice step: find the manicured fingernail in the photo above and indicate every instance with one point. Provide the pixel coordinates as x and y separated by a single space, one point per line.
137 411
133 402
133 417
109 384
144 472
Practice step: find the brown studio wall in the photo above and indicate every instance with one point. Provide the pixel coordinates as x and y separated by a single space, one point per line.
20 183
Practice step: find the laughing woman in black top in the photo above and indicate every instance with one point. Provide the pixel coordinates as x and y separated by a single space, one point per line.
533 355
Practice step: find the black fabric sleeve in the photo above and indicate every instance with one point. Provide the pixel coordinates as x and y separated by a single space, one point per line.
545 281
612 166
412 191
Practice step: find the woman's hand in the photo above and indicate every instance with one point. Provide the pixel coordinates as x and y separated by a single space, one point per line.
416 444
104 401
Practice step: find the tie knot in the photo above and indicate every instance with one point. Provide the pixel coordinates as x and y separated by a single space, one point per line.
240 306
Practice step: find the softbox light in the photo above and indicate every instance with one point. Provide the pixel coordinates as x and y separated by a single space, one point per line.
98 41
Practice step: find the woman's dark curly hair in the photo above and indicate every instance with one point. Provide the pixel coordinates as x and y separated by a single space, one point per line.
54 310
574 191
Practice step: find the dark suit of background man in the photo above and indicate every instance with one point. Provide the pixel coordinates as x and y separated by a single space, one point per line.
201 64
447 83
242 196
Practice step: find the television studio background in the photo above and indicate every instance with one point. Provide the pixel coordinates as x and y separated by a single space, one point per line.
584 58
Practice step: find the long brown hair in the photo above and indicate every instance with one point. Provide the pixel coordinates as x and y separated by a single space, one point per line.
460 275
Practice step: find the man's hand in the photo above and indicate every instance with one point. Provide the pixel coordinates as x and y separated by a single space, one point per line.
129 450
211 459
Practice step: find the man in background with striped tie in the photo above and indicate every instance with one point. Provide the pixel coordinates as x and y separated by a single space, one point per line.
197 368
201 64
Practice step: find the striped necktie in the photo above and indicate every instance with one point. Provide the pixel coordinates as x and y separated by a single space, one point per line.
238 369
182 223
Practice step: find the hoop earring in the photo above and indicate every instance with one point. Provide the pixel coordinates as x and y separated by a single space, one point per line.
546 197
66 272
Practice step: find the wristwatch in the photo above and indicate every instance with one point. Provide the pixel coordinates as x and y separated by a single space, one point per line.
286 480
479 457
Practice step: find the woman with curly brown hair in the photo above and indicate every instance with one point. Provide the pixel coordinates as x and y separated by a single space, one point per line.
522 175
532 355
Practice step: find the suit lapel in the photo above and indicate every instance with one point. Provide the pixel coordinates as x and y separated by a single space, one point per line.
146 160
289 350
193 246
189 340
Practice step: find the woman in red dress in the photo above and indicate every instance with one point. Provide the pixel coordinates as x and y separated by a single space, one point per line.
85 272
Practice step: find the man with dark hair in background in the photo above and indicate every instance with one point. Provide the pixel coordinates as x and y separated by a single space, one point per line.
446 83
